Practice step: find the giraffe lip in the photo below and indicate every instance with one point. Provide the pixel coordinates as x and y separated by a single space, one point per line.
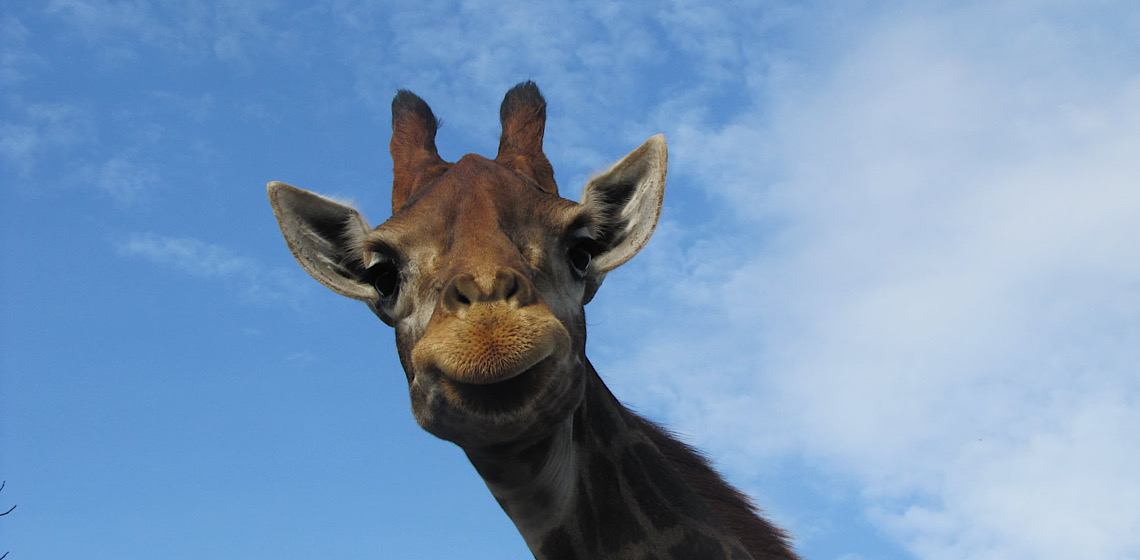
487 377
505 393
489 345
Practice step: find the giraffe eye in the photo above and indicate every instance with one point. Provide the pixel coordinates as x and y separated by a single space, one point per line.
579 259
581 251
384 275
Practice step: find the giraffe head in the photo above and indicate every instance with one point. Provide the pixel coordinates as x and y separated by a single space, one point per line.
483 269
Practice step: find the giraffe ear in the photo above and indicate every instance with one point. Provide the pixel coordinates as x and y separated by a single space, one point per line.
323 235
627 200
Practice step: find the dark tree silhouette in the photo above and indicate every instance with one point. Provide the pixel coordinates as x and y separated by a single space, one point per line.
2 485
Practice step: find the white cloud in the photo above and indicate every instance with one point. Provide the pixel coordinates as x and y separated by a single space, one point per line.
37 129
256 282
15 57
125 180
67 132
230 31
590 58
933 287
119 28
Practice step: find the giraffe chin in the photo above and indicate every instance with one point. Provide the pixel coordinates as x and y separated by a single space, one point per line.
479 405
486 414
510 392
480 375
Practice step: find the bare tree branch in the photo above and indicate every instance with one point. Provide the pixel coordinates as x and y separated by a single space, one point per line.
4 483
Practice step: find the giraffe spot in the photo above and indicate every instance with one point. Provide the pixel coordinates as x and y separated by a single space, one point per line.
534 456
587 524
669 483
618 525
493 473
696 546
652 505
558 546
602 424
580 431
543 499
740 554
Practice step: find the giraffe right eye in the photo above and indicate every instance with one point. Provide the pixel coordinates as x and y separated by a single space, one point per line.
384 275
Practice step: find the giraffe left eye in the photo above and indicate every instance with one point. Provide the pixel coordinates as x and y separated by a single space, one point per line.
580 258
581 250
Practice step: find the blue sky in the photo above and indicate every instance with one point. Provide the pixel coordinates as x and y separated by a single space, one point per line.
895 293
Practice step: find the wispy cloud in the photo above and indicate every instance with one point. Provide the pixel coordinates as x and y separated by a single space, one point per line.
932 286
254 281
228 31
50 132
37 129
123 179
15 58
118 28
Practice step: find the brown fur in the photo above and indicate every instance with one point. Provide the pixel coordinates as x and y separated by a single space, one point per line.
523 115
415 158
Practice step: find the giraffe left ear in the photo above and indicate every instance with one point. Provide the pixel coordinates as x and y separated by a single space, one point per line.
627 200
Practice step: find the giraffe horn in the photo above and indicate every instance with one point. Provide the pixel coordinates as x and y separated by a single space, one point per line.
523 115
414 155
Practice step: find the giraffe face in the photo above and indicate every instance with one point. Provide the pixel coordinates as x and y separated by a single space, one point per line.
483 276
482 269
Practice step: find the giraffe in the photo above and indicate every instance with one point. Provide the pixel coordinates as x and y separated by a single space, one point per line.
484 271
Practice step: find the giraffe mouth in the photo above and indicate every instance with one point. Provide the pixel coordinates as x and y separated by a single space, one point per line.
490 344
509 393
486 364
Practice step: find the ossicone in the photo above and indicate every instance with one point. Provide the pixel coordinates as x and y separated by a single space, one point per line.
523 116
414 155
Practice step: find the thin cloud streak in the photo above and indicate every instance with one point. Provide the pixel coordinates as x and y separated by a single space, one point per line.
255 282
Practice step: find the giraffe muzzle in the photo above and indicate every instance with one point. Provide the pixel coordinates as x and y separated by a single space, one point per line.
490 342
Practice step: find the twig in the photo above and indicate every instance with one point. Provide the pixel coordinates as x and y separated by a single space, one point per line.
4 483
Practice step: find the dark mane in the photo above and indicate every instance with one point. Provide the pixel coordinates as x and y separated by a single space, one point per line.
734 509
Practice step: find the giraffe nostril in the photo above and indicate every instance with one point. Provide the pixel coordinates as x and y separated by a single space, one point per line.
506 285
512 287
461 292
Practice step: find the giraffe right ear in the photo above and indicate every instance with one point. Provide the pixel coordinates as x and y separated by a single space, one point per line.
323 235
626 200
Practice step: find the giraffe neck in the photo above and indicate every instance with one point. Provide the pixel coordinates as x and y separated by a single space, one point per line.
605 484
